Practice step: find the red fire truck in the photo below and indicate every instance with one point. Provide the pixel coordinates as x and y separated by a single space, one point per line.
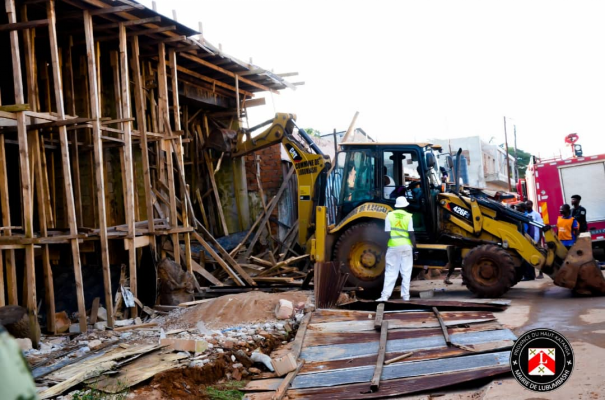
550 183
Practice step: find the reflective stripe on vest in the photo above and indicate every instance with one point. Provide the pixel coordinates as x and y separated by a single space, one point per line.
399 228
565 228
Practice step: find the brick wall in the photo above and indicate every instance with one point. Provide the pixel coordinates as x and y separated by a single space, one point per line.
271 177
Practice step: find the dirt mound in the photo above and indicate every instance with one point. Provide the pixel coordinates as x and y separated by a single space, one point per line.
234 310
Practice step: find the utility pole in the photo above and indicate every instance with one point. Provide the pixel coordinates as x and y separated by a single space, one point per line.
507 163
516 158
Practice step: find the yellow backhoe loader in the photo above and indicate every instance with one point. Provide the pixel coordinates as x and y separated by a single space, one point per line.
341 211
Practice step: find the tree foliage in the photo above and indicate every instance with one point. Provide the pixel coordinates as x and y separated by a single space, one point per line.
312 132
523 159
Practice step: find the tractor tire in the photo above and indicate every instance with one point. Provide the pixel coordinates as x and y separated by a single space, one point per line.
360 251
488 271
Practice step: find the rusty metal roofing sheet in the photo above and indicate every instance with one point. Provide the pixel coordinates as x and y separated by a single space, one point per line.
348 351
395 387
401 370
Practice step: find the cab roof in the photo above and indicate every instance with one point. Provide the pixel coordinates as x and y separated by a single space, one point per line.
420 144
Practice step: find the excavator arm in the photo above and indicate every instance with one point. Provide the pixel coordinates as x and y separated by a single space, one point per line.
310 163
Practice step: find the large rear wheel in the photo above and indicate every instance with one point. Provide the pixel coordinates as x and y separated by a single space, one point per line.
361 251
488 271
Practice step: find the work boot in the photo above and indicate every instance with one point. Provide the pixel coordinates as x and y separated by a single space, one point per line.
540 276
381 299
447 280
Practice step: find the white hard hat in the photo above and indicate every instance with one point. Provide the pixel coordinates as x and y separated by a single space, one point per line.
401 201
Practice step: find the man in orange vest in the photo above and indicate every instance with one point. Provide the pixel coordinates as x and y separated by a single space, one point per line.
567 227
400 257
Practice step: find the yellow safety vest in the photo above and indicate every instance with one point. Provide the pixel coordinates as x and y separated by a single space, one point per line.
399 220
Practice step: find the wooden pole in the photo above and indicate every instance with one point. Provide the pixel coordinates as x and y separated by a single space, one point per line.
95 116
139 101
65 159
384 331
26 189
164 118
127 162
179 154
507 163
11 271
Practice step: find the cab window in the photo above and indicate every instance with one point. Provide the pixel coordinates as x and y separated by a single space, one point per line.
359 177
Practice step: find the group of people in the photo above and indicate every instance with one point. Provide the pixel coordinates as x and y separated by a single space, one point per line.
400 253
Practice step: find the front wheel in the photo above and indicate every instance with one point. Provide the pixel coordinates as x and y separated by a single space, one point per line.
361 250
488 271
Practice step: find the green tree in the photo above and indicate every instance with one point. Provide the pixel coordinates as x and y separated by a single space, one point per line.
312 132
523 159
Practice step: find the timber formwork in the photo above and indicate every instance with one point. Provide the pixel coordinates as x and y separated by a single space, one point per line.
105 109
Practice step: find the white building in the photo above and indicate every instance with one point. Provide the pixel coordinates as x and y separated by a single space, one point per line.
486 163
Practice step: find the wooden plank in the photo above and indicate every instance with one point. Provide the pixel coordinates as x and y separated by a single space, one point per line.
399 358
382 348
94 310
379 316
226 72
210 80
12 108
111 10
269 211
263 385
138 242
140 21
95 114
136 326
194 303
18 26
285 384
299 340
442 325
11 270
24 163
139 101
217 197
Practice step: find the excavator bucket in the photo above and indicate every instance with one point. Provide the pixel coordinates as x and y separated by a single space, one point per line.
580 271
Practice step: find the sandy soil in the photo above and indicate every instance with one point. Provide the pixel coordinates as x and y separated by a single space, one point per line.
234 310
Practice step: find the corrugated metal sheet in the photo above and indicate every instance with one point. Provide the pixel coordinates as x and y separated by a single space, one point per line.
401 370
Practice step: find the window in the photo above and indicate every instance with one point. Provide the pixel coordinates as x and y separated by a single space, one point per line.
359 176
400 169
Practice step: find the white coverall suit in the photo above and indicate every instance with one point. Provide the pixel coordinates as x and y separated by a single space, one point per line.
399 260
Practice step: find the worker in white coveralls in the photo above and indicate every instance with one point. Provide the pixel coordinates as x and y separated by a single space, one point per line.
400 254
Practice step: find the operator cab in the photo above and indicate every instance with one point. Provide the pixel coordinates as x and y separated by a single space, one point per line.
380 173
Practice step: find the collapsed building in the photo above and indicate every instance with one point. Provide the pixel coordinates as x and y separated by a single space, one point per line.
105 111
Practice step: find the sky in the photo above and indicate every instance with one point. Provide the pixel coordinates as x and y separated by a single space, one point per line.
416 70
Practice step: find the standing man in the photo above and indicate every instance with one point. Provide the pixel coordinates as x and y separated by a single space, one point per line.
400 257
537 217
567 227
579 213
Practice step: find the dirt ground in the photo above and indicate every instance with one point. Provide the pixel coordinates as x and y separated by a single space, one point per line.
233 310
541 304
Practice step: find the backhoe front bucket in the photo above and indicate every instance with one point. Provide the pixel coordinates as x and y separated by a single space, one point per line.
579 270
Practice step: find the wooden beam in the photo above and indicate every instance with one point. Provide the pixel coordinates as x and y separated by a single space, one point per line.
111 10
128 162
285 384
150 31
382 348
24 164
95 112
211 80
17 26
226 72
12 108
168 40
139 21
139 102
